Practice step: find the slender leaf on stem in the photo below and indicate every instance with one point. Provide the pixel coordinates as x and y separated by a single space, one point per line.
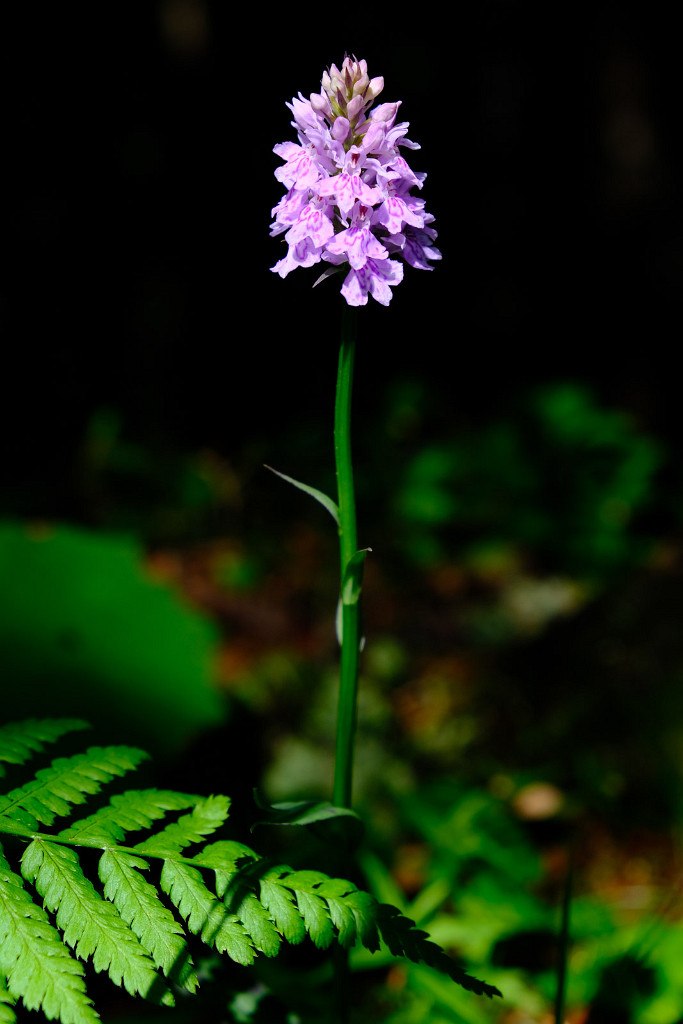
314 814
352 581
313 491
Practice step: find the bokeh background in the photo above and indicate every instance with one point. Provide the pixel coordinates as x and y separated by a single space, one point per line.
517 438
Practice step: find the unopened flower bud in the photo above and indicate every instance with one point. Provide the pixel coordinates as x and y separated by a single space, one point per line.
355 107
321 104
385 112
374 89
360 87
340 129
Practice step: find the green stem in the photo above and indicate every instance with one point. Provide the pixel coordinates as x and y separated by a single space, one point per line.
348 672
563 946
348 545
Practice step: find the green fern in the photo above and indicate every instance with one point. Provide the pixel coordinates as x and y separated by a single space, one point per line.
221 891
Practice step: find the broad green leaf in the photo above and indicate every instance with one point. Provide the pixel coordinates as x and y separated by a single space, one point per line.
84 625
127 930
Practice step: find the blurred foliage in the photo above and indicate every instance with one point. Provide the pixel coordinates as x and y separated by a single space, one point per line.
84 627
563 480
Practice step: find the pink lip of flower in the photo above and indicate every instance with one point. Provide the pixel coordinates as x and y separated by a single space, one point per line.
394 213
359 244
302 254
287 211
348 198
300 171
373 278
313 224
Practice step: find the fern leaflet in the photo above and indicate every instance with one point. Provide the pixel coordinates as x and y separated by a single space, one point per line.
68 780
36 965
88 922
7 1014
19 740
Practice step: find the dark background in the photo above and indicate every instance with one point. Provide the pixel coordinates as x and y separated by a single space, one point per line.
138 147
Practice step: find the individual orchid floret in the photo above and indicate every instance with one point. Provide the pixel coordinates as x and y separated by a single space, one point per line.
348 200
374 278
358 243
300 170
395 212
312 223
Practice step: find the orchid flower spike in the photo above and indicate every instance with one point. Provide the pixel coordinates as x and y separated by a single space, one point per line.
348 201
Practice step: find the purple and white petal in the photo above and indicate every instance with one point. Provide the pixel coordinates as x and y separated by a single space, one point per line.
312 223
303 254
374 278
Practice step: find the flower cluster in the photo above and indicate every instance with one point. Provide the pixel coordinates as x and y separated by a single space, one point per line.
348 198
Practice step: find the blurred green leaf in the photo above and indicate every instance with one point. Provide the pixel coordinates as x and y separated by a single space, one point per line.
84 630
321 816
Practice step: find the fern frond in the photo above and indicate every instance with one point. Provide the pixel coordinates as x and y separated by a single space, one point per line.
223 892
404 938
206 915
37 966
126 812
207 816
138 903
68 780
324 906
90 924
280 903
20 740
